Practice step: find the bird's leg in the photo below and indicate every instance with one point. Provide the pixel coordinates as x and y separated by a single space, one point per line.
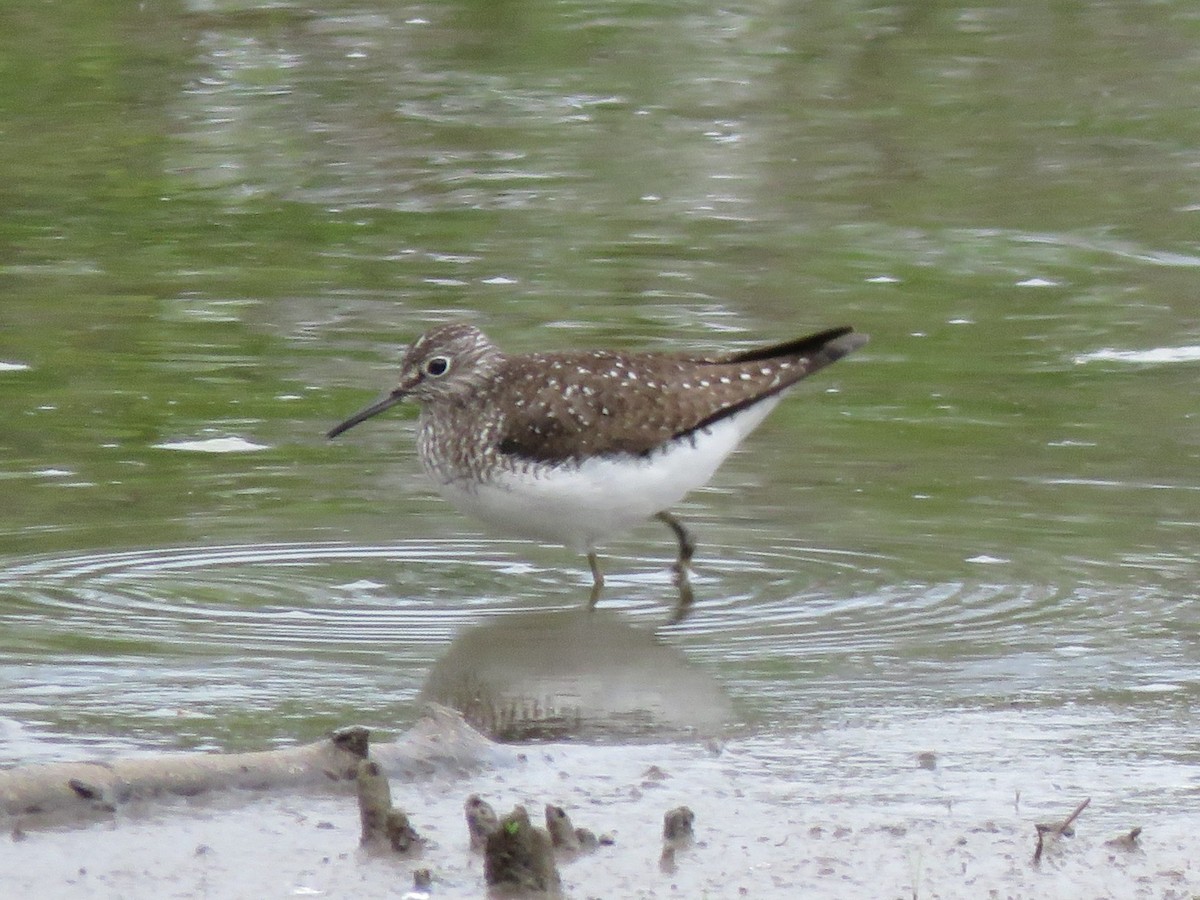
687 549
597 579
687 544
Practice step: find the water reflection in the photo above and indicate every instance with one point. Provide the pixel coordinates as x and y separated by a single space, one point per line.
575 673
233 645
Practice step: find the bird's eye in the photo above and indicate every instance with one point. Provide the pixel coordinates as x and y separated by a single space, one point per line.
436 366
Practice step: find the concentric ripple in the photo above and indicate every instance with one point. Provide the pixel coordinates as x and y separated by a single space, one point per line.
327 628
250 596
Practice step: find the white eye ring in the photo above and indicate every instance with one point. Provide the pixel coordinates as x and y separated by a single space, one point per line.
436 366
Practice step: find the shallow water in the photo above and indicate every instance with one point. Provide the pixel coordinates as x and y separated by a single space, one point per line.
974 538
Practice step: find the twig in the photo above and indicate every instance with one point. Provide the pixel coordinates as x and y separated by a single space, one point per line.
1056 831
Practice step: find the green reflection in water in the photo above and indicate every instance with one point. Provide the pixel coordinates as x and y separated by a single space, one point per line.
221 225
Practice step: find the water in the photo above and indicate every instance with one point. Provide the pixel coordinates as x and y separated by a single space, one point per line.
976 537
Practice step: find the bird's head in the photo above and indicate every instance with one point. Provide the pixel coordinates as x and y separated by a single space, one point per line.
444 365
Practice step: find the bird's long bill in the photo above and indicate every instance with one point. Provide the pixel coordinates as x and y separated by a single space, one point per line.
387 401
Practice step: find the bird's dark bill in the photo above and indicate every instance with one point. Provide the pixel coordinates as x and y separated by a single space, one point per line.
385 402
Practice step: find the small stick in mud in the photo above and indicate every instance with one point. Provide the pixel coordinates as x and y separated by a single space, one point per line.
565 836
1127 841
677 835
481 820
519 854
1050 832
677 826
422 887
382 823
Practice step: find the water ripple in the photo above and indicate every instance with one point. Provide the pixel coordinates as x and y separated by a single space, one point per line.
382 603
239 596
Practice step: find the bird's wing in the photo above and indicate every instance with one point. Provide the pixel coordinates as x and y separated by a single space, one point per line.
601 403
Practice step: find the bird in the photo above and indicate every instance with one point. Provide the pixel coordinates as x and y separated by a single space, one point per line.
577 446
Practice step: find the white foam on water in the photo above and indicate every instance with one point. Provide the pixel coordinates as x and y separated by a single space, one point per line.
1154 356
214 445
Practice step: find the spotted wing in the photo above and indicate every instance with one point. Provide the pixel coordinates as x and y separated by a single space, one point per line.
574 405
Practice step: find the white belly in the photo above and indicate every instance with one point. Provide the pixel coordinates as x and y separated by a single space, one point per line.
583 505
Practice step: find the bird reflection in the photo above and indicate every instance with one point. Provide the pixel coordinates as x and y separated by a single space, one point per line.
578 674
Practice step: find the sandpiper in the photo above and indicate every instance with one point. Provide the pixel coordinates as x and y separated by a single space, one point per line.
576 446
